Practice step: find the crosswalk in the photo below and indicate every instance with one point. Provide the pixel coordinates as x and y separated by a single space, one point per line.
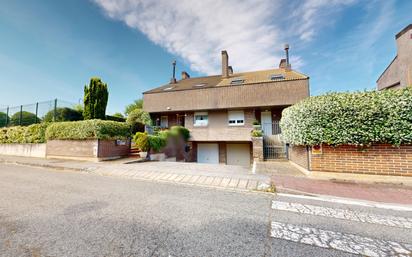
353 243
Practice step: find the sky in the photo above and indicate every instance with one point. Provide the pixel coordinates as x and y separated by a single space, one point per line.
50 49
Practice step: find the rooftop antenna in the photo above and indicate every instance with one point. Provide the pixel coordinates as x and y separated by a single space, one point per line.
173 80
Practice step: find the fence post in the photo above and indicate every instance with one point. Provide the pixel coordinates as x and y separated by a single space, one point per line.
21 114
55 110
7 117
37 111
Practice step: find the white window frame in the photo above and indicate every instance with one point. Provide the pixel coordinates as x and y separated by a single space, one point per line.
200 123
164 121
236 118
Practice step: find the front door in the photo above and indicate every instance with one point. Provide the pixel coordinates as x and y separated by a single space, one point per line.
266 120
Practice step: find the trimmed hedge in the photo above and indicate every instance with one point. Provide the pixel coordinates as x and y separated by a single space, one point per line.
360 118
33 134
87 129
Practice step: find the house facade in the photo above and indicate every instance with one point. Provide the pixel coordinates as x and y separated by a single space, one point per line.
220 110
399 72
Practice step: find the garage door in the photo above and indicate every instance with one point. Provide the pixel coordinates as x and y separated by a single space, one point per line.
238 154
208 153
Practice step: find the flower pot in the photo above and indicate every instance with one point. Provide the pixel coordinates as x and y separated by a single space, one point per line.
143 154
258 126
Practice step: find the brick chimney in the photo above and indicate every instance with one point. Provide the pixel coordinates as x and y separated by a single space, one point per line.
185 75
225 64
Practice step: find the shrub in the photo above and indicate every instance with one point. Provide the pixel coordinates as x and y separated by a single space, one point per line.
137 104
257 133
137 119
141 140
27 118
115 118
32 134
63 114
87 129
180 131
255 122
360 118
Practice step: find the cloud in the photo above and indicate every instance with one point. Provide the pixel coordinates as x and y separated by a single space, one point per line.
252 31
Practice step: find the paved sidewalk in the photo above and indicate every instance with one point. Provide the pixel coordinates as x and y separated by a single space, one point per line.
209 175
371 192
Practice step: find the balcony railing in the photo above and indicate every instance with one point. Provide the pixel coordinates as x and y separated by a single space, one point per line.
271 128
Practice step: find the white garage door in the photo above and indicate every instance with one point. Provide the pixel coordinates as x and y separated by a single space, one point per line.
238 154
208 153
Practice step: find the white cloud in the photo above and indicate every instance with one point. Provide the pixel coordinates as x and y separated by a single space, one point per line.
250 30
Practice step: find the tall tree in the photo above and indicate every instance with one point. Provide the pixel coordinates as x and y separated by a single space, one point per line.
95 99
137 104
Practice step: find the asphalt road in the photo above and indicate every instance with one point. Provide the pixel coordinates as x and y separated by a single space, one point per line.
54 213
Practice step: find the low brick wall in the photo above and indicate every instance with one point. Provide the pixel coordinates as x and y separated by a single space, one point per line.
24 150
257 148
299 155
379 159
96 150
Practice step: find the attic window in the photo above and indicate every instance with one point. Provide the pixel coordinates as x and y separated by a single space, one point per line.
200 85
168 88
277 76
237 81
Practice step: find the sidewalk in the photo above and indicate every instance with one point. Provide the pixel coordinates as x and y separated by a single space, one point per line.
208 175
384 193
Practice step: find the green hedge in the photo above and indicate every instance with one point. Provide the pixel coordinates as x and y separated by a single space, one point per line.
32 134
360 118
87 129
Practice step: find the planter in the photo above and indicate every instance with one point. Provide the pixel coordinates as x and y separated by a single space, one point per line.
257 127
158 157
143 155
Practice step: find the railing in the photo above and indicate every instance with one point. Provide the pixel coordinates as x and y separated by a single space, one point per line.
271 128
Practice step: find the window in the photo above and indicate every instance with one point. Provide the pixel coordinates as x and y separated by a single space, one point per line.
199 85
277 77
237 81
168 88
201 119
164 122
236 118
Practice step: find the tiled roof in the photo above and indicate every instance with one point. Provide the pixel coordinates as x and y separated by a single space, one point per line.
253 77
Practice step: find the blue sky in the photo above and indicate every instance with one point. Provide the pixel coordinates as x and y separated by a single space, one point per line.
49 49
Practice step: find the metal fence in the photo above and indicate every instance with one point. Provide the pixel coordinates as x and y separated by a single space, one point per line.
28 114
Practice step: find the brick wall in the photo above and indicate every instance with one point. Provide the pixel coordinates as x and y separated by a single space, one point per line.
299 155
378 159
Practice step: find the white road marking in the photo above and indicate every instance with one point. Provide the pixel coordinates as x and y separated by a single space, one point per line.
393 221
339 241
324 198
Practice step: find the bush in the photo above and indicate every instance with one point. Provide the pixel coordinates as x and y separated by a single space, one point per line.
147 142
95 99
359 118
180 131
63 114
27 118
87 129
141 140
32 134
257 133
137 119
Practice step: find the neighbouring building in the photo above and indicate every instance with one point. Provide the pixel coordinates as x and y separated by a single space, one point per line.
399 72
220 110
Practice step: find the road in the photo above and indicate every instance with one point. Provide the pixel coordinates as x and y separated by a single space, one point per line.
55 213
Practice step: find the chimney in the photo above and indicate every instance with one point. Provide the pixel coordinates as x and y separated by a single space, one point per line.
230 70
288 66
173 79
225 64
185 75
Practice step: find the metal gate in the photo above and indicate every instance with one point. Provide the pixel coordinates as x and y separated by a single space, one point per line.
273 147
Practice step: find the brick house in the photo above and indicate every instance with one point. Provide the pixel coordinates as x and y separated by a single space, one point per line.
220 110
399 72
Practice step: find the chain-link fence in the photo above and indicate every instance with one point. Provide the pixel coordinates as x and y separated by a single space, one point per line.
48 111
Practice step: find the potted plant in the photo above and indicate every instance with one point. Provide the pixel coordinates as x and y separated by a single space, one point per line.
256 124
141 140
257 133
